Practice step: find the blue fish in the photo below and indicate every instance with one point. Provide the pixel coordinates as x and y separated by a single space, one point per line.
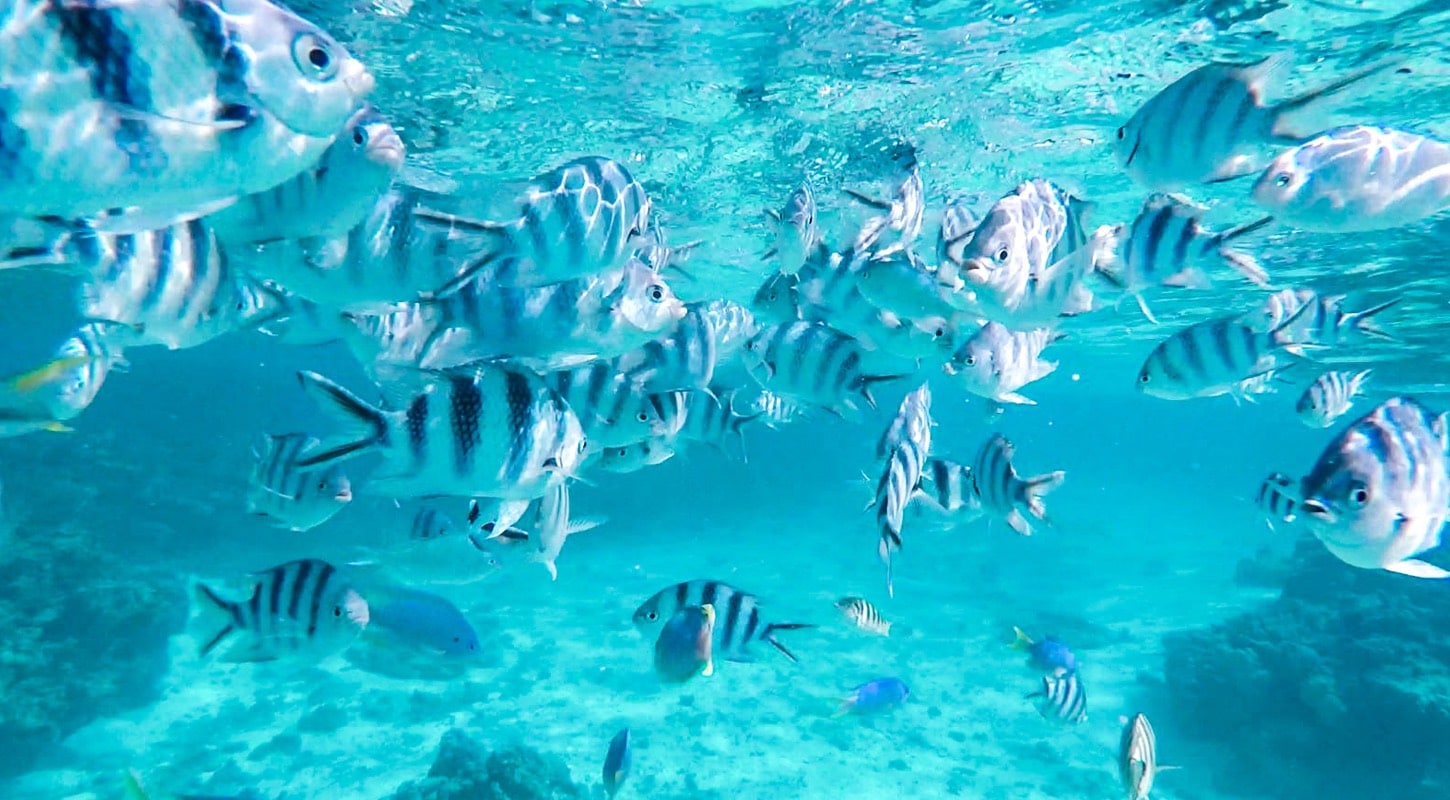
683 649
1050 655
425 620
874 697
616 763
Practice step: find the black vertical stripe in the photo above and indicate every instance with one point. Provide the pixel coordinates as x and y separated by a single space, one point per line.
303 568
417 424
732 619
314 607
465 404
96 40
519 399
682 595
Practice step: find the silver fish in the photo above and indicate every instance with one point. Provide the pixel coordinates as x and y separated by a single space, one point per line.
1355 179
1168 245
777 299
1307 317
1330 397
555 526
1213 358
774 410
713 421
1138 758
291 496
1379 494
732 324
739 622
948 486
814 363
614 409
683 358
97 352
1006 495
864 615
328 199
1062 698
1210 124
575 221
903 212
633 457
490 432
1278 498
958 224
995 362
901 283
906 443
1267 383
796 234
301 609
170 108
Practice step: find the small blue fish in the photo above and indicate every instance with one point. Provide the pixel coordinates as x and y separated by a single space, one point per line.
426 620
874 697
616 763
1049 655
683 649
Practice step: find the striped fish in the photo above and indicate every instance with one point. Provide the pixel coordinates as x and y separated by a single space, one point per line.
905 210
814 363
1330 397
301 609
330 198
27 399
948 486
1168 245
1062 698
864 615
902 283
1213 358
1026 263
995 362
1138 758
288 495
738 620
430 523
794 226
777 300
555 526
1211 124
1379 493
1307 317
906 444
712 421
97 352
633 457
683 358
774 410
613 408
575 221
388 256
172 107
958 224
1278 498
299 322
490 432
1006 495
673 409
732 324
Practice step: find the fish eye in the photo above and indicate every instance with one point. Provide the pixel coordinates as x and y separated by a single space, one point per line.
622 452
939 333
1143 377
971 361
656 293
1002 256
642 417
359 136
313 55
1359 495
652 616
337 612
583 445
1281 180
1122 133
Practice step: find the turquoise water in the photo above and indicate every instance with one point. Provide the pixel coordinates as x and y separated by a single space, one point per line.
720 109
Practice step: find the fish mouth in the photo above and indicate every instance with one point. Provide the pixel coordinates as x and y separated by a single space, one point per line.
389 152
976 271
1318 510
358 79
343 496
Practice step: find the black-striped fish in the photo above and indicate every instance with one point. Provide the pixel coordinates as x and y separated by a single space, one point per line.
1006 495
1213 358
292 496
864 615
613 408
794 226
733 325
683 358
1278 498
575 221
958 224
1168 245
1211 124
948 486
814 363
905 285
738 621
172 108
327 199
429 524
1062 698
632 457
301 609
1138 763
905 445
903 213
774 410
1330 397
778 299
98 352
489 432
713 421
1306 317
995 362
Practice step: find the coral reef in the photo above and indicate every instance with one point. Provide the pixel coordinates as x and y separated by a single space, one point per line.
1338 688
465 770
84 637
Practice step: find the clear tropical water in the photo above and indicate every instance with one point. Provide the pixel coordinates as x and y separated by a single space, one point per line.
720 109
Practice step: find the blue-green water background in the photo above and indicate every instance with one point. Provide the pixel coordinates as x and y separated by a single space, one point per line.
721 109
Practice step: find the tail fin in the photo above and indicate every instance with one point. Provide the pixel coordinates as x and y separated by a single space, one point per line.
346 406
216 614
1104 246
1023 640
1281 129
768 635
868 381
1033 489
1360 321
1243 263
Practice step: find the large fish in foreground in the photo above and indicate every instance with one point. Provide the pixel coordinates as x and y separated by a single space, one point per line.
492 432
1379 495
169 107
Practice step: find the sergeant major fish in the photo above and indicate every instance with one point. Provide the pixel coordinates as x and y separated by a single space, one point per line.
613 408
958 224
291 496
1379 494
301 609
169 108
905 446
1062 698
740 621
903 213
814 363
1278 498
1214 358
1138 758
995 362
864 615
948 486
683 358
1005 494
796 234
1330 397
1307 317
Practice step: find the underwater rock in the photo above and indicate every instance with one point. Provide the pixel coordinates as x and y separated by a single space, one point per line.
465 770
1346 675
85 637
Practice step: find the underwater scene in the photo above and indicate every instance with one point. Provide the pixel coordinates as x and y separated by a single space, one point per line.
686 400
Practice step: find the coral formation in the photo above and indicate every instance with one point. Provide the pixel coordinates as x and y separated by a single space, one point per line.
1338 688
465 770
85 637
